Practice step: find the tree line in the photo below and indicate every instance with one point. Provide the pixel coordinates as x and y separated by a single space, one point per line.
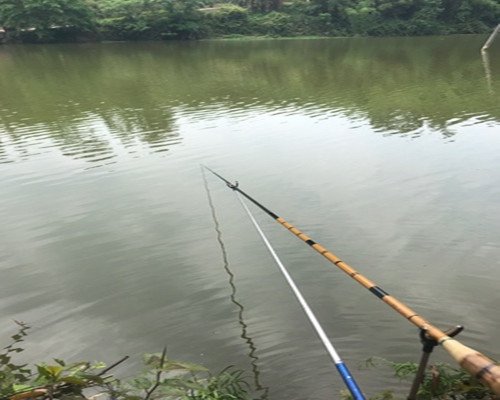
73 20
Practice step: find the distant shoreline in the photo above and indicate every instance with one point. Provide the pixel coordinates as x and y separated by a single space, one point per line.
236 38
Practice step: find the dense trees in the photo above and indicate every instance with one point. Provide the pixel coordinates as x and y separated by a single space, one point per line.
149 19
190 19
45 19
410 17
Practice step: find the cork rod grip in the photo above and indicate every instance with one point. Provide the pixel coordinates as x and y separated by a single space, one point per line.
477 364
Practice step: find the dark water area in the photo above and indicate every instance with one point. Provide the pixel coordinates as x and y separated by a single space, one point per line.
386 151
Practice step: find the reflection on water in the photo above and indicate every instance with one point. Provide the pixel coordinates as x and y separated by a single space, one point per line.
92 137
487 71
97 101
244 327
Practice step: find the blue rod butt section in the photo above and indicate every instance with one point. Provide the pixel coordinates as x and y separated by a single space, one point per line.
349 381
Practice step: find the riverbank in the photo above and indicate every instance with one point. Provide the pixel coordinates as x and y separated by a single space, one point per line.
248 38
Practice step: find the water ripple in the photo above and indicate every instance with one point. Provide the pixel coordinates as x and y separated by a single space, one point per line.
387 155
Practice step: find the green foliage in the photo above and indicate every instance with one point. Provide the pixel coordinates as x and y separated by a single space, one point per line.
165 379
67 378
124 8
42 20
227 385
261 6
410 17
13 376
184 20
59 20
397 8
228 19
149 19
363 17
474 15
441 381
273 24
162 378
386 395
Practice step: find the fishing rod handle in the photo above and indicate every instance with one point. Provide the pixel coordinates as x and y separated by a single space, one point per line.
477 364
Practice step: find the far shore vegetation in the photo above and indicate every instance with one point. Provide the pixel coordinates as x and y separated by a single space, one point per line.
93 20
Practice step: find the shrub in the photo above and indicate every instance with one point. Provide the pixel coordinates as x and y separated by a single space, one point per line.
363 20
441 382
228 19
273 24
132 27
162 379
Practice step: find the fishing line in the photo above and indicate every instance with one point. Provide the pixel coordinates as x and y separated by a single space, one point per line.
339 364
241 308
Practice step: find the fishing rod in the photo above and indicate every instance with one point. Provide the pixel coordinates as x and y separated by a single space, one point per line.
475 363
342 369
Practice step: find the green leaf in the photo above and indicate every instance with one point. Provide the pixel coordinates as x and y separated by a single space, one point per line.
170 389
98 365
141 383
73 380
192 385
54 370
49 373
21 388
91 377
77 367
181 365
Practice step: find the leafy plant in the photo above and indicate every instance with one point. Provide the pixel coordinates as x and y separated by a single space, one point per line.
386 395
162 378
227 385
13 376
441 381
49 380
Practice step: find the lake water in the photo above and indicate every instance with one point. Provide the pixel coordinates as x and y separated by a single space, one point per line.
386 151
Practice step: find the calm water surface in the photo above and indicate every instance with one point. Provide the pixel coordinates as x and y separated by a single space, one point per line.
387 151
